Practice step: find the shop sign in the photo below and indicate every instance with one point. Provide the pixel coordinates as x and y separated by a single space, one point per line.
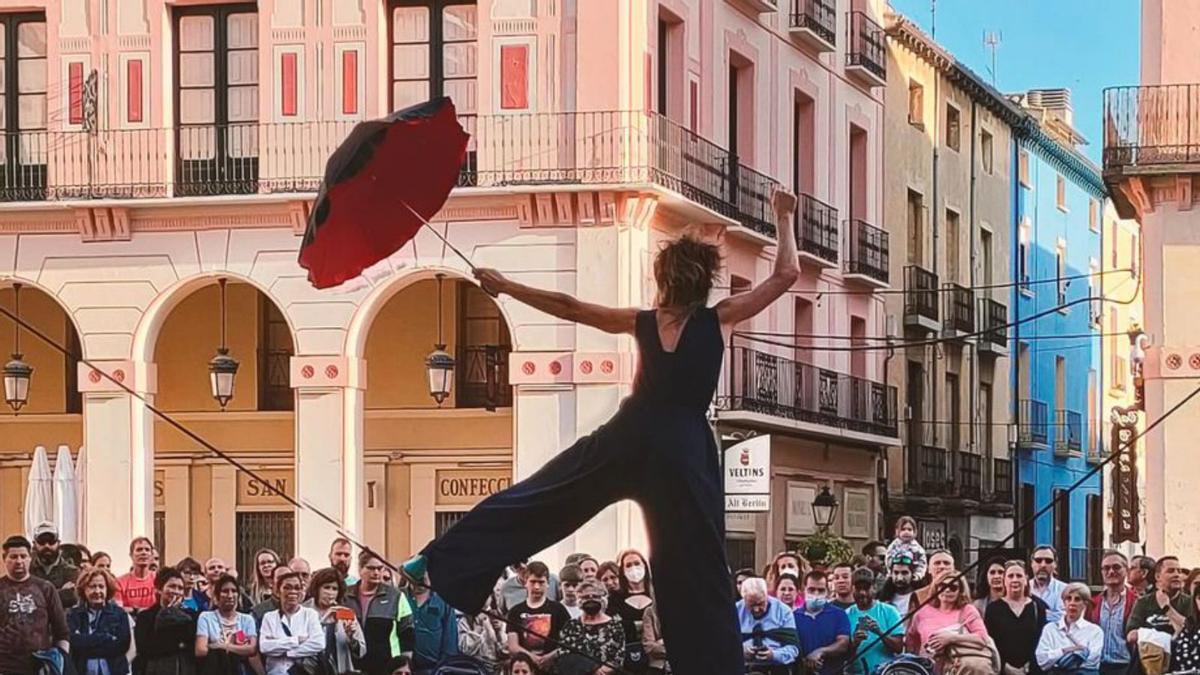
160 490
800 520
467 487
1126 519
748 475
265 488
856 510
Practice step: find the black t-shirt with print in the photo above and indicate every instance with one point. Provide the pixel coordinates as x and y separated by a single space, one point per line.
545 620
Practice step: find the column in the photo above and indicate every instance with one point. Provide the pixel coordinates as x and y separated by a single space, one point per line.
118 435
329 451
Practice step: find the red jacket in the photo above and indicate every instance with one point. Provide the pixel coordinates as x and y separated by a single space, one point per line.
1131 596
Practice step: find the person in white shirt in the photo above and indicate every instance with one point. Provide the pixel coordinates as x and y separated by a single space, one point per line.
291 632
1072 633
1044 563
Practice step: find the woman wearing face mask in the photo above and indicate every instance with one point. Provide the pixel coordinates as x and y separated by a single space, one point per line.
99 628
165 634
594 640
344 638
636 596
226 638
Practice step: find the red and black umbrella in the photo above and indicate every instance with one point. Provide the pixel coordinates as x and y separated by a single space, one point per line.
387 179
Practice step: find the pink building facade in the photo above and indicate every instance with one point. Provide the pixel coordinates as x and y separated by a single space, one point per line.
153 148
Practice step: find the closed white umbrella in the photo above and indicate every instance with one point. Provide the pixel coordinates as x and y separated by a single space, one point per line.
39 494
66 510
81 493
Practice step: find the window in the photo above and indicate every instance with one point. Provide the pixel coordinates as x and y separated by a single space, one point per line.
1116 359
1096 303
916 104
217 96
1024 253
1114 243
805 328
953 127
1135 254
263 529
483 348
985 150
1023 168
986 254
1060 192
434 52
953 246
916 228
1060 274
1062 532
1092 427
954 403
23 83
1094 215
274 358
803 145
670 65
858 173
987 403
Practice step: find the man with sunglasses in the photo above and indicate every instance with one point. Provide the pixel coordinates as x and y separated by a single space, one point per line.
1109 611
50 565
1044 563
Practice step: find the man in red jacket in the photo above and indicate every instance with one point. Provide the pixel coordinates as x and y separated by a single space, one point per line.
1110 610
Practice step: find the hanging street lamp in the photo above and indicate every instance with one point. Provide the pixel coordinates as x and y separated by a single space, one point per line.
439 364
17 373
824 508
222 368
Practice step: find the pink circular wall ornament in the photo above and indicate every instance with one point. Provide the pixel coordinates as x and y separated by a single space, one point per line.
528 368
555 367
94 376
331 371
585 367
1174 361
119 375
606 366
307 372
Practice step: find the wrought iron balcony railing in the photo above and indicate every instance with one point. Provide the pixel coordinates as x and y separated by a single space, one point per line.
867 253
995 322
1151 125
920 293
818 16
482 374
968 474
1002 480
817 229
774 385
1068 431
1033 421
928 465
866 46
960 308
576 148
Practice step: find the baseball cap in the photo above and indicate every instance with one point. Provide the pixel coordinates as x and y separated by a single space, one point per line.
45 528
863 577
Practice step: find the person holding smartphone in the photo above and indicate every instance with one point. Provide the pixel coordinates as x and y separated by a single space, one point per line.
344 639
770 642
225 638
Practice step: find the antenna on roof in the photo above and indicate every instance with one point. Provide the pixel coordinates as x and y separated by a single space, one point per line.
991 41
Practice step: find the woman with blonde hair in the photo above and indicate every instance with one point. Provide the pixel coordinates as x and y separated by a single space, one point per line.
265 562
950 631
1015 620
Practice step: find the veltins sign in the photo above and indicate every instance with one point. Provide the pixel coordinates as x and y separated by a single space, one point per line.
748 475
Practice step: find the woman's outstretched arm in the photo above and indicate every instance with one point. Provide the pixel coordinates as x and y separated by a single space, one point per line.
561 305
743 306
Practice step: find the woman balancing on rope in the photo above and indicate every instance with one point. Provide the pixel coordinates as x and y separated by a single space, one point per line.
657 450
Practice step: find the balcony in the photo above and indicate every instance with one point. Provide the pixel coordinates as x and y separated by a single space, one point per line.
814 23
968 475
1149 130
1032 424
866 51
816 232
539 150
1002 481
928 465
482 374
960 310
866 254
758 6
994 316
1068 433
920 298
779 387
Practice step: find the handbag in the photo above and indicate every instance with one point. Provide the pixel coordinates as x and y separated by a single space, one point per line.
972 659
318 664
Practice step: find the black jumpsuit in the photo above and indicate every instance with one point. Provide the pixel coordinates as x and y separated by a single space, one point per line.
657 450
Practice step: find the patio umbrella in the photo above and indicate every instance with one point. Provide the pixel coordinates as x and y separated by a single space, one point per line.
386 180
81 491
66 497
39 494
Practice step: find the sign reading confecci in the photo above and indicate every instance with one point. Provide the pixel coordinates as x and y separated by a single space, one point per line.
467 487
748 475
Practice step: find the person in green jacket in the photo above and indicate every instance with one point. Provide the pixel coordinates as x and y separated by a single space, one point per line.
384 613
1167 608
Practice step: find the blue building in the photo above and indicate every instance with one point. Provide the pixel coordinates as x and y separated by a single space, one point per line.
1057 205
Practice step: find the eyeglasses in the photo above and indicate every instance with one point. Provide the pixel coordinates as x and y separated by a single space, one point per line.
1111 568
1043 560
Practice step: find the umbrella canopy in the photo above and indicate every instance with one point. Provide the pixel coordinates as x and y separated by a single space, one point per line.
381 184
81 492
66 497
39 494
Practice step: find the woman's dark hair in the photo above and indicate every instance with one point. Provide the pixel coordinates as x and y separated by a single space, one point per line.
327 575
226 579
608 566
164 575
521 657
684 271
72 554
621 570
95 558
982 588
189 565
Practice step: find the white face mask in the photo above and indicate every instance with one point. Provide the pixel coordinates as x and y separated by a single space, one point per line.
635 574
790 570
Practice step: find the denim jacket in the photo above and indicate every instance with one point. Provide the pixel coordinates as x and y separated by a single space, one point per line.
106 638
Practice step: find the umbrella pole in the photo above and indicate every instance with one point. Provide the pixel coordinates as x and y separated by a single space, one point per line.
445 241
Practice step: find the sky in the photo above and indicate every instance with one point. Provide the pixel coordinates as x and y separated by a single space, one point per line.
1083 45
